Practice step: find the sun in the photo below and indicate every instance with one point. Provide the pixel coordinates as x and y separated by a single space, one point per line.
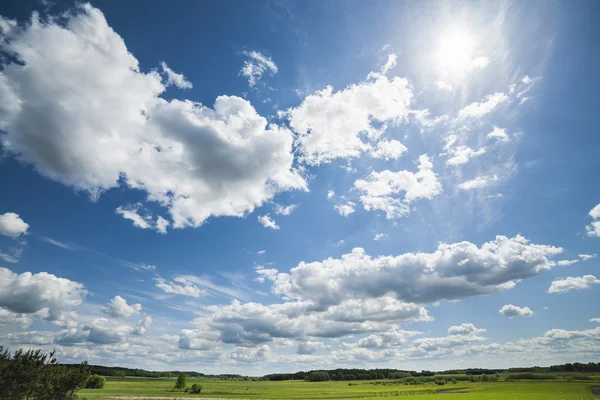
455 51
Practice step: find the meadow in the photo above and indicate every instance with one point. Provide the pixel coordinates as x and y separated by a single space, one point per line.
562 388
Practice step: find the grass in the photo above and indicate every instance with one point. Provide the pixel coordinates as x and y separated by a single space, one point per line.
559 389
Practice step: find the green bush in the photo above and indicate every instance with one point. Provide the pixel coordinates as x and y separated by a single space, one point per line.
453 380
95 382
195 388
181 382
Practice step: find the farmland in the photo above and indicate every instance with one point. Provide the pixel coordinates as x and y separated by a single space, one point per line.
565 386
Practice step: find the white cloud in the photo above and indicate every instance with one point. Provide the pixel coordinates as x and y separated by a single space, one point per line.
573 283
309 347
465 329
457 336
480 109
256 65
265 273
596 320
386 340
585 257
388 149
453 271
444 86
332 124
180 285
462 154
119 308
173 78
287 210
514 311
267 221
330 194
29 293
132 213
12 225
345 209
382 190
593 229
479 63
478 183
379 236
195 160
499 134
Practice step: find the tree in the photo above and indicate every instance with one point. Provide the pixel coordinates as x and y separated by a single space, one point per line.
95 382
317 376
181 381
34 375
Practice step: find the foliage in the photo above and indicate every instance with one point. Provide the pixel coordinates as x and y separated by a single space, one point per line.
440 382
181 382
530 376
195 388
33 374
95 382
317 376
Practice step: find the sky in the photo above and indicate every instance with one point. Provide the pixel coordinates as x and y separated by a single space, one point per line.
257 187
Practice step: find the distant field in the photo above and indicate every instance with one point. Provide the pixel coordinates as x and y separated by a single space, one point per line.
559 389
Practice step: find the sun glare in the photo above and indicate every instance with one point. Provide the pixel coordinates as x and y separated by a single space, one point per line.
455 51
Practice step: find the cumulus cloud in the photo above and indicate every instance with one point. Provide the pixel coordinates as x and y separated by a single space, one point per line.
309 347
462 154
573 283
478 183
453 271
514 311
265 273
586 257
180 285
195 160
146 221
267 221
175 79
388 150
256 65
393 192
385 340
498 134
345 209
29 293
119 308
379 236
252 324
593 229
340 124
480 109
457 336
12 225
465 329
285 210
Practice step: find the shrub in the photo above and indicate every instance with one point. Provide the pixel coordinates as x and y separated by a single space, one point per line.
181 382
453 380
95 382
440 382
195 388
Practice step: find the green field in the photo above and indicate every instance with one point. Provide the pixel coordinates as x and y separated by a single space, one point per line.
559 389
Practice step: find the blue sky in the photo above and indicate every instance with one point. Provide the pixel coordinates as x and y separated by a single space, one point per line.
258 187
